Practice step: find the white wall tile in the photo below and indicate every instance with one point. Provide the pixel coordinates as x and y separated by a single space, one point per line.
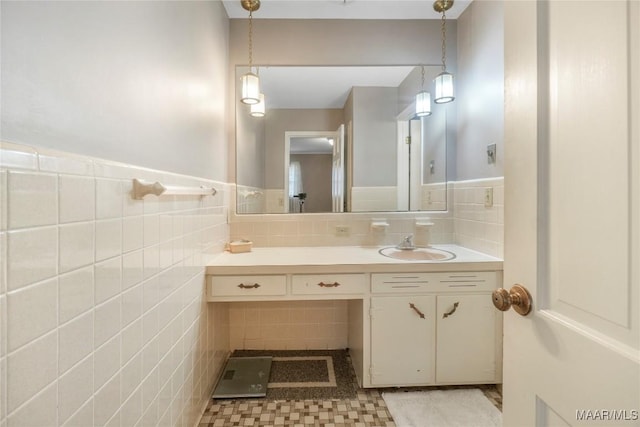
32 256
83 417
131 304
82 249
106 362
74 389
132 233
107 321
131 340
38 412
151 230
132 269
31 369
18 157
108 198
149 389
77 198
106 402
50 161
131 409
32 199
108 238
108 279
151 261
3 332
3 200
76 246
75 293
131 376
33 312
75 341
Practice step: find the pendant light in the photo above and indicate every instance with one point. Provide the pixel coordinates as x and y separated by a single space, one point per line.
259 109
250 81
423 100
444 80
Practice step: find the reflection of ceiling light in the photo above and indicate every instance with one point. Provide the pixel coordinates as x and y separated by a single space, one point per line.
250 81
258 110
444 80
330 141
423 100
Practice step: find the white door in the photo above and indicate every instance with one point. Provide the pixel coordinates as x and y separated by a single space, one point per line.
337 174
572 214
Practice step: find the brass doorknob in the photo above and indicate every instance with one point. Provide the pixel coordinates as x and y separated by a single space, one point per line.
518 297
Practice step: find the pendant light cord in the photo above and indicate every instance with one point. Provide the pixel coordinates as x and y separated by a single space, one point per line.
250 39
444 39
422 85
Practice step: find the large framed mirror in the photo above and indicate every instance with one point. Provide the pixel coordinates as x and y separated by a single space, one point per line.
341 139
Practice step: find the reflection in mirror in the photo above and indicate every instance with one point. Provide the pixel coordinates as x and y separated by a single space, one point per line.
338 139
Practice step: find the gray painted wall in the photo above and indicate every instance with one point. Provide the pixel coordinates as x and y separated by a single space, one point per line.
375 135
480 90
137 82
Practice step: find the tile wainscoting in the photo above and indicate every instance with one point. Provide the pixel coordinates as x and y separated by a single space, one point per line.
103 317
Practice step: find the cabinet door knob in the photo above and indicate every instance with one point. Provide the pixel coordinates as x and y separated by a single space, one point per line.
243 286
421 314
453 310
329 285
517 297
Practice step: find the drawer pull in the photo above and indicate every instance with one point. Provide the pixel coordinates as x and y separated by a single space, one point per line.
453 310
243 286
421 314
329 285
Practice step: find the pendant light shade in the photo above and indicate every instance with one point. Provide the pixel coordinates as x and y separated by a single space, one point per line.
250 89
443 92
443 88
258 110
423 104
250 81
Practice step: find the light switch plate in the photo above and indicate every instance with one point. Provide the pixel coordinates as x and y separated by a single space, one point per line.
488 197
491 153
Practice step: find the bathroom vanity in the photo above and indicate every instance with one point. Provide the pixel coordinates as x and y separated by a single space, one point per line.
410 322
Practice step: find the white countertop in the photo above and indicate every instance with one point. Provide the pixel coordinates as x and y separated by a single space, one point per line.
342 259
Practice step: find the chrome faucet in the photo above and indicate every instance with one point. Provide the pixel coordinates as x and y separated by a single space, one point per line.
406 243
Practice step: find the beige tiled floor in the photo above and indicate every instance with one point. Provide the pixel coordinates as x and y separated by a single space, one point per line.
367 409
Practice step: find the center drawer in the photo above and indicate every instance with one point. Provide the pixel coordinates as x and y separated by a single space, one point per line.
328 284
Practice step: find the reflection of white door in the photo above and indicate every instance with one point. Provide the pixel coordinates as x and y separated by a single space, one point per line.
572 214
337 173
409 155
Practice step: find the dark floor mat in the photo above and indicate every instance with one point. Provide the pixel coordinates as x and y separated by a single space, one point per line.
308 374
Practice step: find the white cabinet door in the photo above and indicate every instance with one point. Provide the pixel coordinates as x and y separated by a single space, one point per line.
402 340
466 339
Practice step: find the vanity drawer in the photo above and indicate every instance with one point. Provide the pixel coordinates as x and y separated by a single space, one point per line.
395 283
328 284
247 286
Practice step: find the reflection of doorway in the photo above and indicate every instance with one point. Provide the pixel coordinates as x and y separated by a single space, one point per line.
409 160
312 173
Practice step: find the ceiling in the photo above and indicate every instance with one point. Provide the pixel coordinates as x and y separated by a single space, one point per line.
344 9
322 86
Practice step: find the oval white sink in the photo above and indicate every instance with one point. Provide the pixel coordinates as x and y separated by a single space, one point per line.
417 254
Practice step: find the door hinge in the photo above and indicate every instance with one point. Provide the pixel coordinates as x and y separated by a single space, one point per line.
407 140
